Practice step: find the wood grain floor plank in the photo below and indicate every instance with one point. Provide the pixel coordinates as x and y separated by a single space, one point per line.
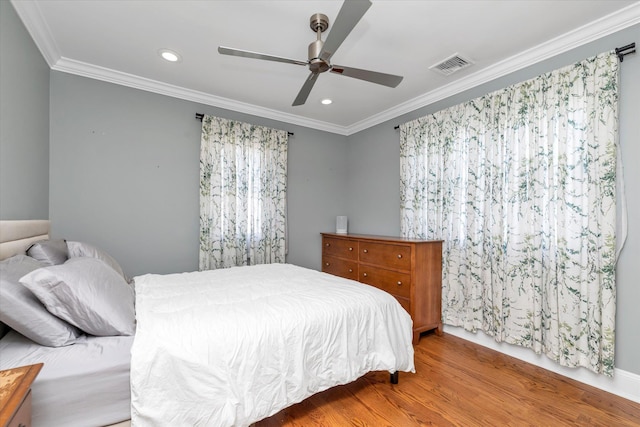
459 383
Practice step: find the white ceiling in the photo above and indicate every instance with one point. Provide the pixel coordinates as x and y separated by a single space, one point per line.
118 41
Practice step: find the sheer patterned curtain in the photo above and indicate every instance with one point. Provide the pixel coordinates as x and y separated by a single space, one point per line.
521 186
243 194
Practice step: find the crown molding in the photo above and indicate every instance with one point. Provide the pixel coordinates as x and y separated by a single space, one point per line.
595 30
31 16
84 69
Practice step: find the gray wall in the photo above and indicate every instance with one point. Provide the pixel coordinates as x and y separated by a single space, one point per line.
24 122
125 175
374 169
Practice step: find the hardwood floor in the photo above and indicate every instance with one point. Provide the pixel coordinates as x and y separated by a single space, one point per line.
459 383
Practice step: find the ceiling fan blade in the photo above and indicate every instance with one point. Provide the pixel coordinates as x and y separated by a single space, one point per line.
255 55
389 80
350 14
306 90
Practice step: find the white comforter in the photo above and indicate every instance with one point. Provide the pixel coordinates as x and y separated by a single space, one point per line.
230 347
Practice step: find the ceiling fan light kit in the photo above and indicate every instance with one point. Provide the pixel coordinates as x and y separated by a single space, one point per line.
320 52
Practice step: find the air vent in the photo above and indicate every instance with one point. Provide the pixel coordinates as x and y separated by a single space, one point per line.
451 64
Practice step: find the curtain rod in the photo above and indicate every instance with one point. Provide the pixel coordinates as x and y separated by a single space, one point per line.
621 52
625 50
200 116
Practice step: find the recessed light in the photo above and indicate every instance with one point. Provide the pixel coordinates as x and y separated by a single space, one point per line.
170 55
326 101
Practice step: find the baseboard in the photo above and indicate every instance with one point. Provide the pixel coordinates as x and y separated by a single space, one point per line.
624 384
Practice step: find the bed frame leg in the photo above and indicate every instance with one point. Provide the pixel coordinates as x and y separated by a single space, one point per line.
394 377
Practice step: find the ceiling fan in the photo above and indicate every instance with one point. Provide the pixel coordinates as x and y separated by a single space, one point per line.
320 52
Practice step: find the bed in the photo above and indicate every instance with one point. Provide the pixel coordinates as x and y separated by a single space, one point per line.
259 339
223 347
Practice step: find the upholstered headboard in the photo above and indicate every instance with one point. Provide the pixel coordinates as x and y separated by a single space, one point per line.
17 236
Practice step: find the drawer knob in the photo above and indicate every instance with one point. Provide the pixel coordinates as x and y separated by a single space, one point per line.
399 283
399 256
326 263
364 274
327 244
350 249
350 270
365 251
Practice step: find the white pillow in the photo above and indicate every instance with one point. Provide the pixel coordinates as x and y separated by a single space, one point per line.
87 293
80 249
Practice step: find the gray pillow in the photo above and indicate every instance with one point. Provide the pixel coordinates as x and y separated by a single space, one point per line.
23 312
87 293
51 252
79 249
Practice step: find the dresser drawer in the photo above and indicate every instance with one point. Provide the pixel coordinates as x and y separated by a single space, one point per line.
342 248
405 303
393 256
397 284
340 267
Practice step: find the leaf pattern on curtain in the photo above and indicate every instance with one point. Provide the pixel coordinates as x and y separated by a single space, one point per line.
521 186
243 194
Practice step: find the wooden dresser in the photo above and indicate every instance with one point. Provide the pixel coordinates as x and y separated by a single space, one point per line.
410 270
15 395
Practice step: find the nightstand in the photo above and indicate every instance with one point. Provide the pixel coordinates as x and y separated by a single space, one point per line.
15 395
